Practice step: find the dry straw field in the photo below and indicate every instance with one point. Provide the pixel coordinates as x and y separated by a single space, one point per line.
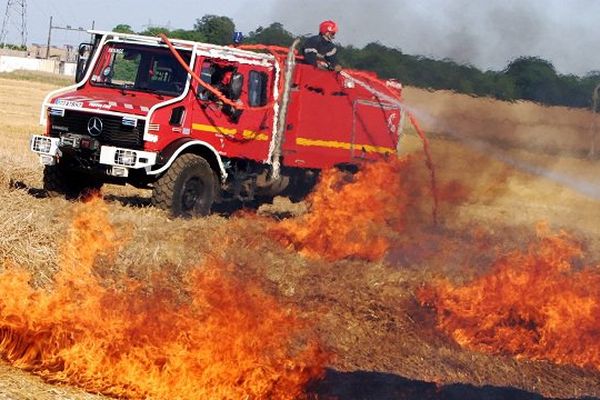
502 168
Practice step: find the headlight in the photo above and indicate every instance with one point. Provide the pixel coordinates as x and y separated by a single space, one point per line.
125 157
41 144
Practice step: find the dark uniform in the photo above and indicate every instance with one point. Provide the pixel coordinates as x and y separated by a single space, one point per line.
317 49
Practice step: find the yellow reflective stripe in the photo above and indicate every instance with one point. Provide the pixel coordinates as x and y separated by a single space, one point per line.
374 149
332 144
323 143
248 134
214 129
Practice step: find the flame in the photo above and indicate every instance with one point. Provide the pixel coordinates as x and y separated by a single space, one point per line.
535 304
217 338
350 216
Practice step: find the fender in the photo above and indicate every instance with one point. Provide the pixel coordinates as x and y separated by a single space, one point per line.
179 146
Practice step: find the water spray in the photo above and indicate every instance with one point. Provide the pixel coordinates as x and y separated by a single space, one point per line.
428 161
394 97
586 188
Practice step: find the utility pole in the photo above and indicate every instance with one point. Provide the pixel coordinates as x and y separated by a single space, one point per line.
64 28
49 39
14 7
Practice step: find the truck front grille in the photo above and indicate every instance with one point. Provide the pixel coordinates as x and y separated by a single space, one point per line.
113 133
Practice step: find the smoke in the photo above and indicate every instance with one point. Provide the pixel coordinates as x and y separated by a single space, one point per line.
487 34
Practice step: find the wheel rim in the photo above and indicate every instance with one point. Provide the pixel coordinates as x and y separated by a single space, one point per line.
192 198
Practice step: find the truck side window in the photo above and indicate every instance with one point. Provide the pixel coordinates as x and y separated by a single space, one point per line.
257 88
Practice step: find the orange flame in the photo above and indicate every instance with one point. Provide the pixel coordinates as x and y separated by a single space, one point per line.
217 339
536 305
351 216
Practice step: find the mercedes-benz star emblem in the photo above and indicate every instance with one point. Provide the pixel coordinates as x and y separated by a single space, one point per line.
94 126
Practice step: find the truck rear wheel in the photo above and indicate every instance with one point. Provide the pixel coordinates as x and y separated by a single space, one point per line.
187 189
59 181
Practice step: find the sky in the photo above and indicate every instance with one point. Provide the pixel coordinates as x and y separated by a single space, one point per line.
487 34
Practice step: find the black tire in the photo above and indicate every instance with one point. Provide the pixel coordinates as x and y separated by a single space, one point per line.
187 189
59 181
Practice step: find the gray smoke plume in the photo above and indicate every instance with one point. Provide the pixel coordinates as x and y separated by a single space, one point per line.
486 34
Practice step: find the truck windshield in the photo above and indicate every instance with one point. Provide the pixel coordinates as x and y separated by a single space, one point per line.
140 68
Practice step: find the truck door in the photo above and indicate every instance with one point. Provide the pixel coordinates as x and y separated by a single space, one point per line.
375 129
233 132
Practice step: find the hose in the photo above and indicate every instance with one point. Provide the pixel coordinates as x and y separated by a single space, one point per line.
218 94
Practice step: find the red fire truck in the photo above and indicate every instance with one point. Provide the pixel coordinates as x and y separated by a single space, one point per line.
198 123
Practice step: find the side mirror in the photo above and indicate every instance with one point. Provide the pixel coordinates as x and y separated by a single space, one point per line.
83 57
235 86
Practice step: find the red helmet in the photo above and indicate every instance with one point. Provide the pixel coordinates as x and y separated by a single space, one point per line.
328 27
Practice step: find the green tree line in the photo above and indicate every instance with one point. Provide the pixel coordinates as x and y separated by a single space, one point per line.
526 78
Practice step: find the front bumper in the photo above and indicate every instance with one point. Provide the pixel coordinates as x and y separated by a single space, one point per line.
119 160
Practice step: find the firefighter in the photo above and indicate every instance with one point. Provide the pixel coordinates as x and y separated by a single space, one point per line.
319 50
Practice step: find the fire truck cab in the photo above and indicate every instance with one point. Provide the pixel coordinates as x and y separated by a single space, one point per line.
198 123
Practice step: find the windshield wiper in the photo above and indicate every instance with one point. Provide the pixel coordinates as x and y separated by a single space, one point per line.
104 84
124 88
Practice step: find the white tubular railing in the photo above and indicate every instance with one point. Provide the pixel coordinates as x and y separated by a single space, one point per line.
282 121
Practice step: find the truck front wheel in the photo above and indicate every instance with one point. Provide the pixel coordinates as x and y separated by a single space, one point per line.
59 181
187 188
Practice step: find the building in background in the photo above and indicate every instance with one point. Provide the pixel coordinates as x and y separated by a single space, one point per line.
59 60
